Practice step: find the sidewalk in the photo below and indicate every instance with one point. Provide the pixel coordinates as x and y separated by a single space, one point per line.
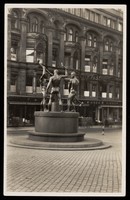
68 172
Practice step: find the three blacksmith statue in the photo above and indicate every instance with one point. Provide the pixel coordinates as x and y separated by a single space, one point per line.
55 85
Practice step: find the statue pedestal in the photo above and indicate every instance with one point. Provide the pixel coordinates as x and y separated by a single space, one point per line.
56 127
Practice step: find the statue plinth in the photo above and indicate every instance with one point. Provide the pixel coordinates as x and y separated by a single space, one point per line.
56 127
56 122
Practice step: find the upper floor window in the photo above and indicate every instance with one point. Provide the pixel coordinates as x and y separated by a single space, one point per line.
15 20
70 35
76 36
108 22
35 25
95 64
42 27
91 40
95 42
108 44
87 14
92 16
97 18
120 27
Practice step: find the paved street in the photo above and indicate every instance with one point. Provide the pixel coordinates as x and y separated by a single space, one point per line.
67 172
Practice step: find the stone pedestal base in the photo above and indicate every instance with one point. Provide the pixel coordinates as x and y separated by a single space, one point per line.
56 127
56 122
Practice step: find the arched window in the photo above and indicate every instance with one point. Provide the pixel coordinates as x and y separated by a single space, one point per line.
15 20
70 34
42 27
111 46
35 25
89 40
76 36
106 45
95 42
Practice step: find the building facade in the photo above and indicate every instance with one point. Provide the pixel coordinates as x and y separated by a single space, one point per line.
87 41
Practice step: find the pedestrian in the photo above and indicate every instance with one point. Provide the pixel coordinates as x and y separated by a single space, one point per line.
103 129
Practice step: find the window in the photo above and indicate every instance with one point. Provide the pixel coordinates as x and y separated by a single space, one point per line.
92 16
105 21
76 60
111 46
89 40
42 27
86 89
107 45
108 22
95 64
70 35
105 66
78 13
15 20
120 27
29 55
87 14
67 59
76 36
111 68
35 25
95 42
13 51
113 24
97 18
87 63
54 57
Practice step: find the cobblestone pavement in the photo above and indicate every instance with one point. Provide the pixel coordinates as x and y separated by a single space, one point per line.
78 172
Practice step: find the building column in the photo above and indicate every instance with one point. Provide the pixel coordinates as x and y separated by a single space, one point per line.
9 38
107 90
21 84
90 89
34 83
50 42
116 62
99 69
22 45
61 50
82 42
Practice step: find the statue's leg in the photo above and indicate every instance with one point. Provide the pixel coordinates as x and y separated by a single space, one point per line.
41 106
60 102
50 102
44 99
69 102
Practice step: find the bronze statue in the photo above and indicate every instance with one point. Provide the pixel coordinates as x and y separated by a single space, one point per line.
73 87
54 82
43 84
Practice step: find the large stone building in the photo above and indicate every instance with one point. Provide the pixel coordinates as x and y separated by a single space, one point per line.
88 41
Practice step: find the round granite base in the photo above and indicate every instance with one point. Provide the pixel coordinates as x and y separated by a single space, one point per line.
87 144
56 137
